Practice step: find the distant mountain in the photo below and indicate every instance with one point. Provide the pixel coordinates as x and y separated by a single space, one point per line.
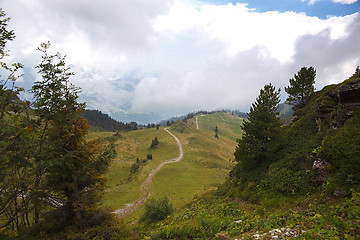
98 119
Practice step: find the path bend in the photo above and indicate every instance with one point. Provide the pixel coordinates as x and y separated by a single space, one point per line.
146 185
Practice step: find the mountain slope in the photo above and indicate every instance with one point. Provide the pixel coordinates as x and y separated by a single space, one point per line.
205 165
311 189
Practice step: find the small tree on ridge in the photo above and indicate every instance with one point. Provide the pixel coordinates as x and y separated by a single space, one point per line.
301 86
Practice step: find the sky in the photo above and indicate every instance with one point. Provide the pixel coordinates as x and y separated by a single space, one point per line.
147 60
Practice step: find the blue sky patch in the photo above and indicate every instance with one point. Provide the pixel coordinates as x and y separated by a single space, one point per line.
321 9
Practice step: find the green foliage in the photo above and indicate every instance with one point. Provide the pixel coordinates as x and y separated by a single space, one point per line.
287 181
149 156
16 147
72 166
315 218
100 224
157 210
342 150
179 126
318 131
98 119
261 132
301 86
47 166
134 168
154 143
5 35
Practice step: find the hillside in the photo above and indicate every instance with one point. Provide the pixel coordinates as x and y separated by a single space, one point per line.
310 190
104 122
205 165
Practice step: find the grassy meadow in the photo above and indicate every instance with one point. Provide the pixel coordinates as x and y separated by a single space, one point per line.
205 165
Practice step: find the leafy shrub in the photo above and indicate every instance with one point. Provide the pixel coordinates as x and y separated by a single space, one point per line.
342 150
134 168
100 224
157 210
287 181
154 143
149 156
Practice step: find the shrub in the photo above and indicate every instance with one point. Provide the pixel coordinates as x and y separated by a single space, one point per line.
134 168
154 143
149 156
342 151
157 210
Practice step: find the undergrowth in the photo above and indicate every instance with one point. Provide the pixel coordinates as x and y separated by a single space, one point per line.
317 216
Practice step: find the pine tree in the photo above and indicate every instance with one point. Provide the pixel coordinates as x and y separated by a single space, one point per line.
261 130
301 86
72 166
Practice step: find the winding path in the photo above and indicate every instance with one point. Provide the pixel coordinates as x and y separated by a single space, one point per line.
146 185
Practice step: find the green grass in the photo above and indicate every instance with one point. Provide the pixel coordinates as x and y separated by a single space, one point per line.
228 125
205 165
320 218
120 189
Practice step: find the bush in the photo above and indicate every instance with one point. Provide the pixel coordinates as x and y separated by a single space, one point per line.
157 210
342 150
154 143
149 156
100 224
134 168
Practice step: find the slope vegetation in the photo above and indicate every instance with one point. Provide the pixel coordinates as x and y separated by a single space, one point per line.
310 190
205 165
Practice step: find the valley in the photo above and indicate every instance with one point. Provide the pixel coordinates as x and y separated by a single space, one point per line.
205 165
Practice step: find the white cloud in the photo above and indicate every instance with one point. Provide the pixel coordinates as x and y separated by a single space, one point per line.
177 56
345 1
312 2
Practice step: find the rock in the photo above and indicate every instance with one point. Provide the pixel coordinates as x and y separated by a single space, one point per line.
221 236
349 95
238 221
339 193
320 169
275 231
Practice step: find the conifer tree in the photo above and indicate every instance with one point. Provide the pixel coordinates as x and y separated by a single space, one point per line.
261 130
301 86
72 166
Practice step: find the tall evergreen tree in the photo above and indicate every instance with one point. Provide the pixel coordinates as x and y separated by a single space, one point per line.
301 86
261 130
72 166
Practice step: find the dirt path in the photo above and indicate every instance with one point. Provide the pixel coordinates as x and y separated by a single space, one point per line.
146 185
197 121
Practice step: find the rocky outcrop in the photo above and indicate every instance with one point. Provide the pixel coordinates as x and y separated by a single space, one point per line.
320 169
349 95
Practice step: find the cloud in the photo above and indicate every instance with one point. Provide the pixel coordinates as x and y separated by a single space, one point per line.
345 1
171 57
334 59
312 2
